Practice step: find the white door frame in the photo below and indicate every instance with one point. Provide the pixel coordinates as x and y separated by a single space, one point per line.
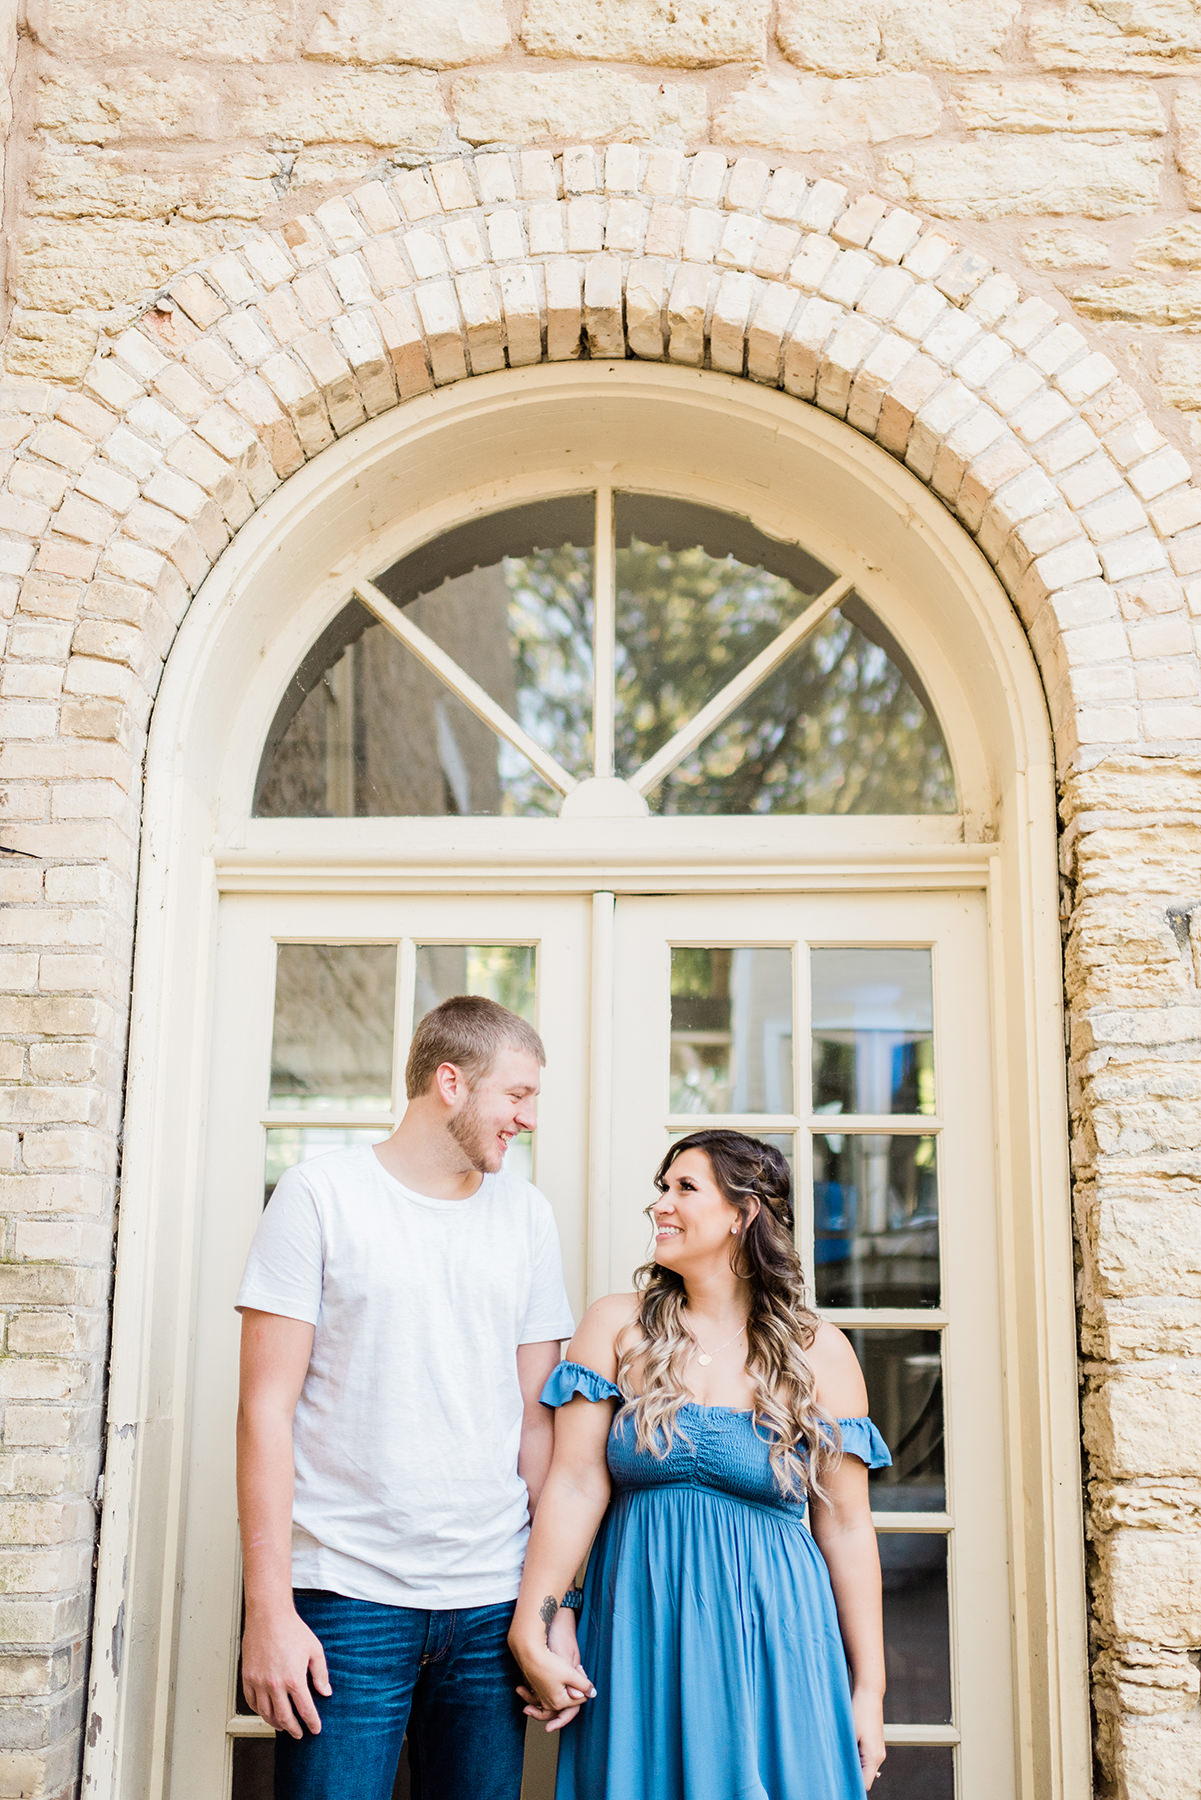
350 511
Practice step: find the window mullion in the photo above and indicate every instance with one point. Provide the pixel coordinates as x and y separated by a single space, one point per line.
462 684
723 704
604 618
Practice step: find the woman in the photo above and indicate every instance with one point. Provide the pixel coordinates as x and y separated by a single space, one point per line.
697 1417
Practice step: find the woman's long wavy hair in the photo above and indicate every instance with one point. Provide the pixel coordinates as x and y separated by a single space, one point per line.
780 1327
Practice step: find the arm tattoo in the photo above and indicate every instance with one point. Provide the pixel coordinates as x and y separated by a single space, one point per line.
547 1611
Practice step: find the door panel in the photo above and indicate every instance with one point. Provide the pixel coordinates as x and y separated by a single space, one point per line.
315 1006
853 1032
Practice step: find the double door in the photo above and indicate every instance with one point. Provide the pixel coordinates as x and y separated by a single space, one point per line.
851 1030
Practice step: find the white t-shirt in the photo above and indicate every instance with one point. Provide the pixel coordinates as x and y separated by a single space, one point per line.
408 1425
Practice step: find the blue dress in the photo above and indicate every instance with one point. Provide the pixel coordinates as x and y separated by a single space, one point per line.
708 1624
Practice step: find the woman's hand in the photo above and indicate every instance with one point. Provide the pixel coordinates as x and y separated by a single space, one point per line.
556 1686
868 1711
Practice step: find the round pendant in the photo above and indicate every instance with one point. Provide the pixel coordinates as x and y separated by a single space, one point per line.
704 1359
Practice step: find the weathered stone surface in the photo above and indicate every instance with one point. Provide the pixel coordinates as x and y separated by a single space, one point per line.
997 175
217 30
128 104
1151 1587
86 183
1177 246
103 264
688 34
1128 35
393 108
1187 118
1138 300
1130 106
1125 1329
1145 1423
523 108
51 345
1179 373
812 112
432 32
1146 1239
1160 1759
865 37
1065 247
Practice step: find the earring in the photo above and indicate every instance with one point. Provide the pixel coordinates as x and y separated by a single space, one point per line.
733 1231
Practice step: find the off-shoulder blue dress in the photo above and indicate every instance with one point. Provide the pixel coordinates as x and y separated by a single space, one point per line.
708 1624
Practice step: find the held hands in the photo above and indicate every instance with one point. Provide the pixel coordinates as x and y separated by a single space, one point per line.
557 1685
868 1712
279 1656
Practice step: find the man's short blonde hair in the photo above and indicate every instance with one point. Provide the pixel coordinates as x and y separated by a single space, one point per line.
469 1032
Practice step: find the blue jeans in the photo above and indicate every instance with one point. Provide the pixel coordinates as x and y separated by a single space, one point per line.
447 1678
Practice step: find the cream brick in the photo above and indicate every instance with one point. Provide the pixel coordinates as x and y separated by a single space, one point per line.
602 104
799 113
987 178
422 31
688 34
686 310
847 37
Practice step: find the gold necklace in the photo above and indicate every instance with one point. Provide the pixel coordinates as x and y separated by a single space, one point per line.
705 1357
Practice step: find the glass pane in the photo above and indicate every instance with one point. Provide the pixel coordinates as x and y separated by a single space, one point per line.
917 1643
699 594
254 1768
364 730
501 972
903 1371
332 1043
288 1144
875 1216
873 1024
916 1772
843 725
731 1031
784 1141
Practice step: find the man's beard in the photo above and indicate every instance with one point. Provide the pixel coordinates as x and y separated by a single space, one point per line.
470 1135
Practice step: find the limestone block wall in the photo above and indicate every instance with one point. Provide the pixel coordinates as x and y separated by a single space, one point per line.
1031 355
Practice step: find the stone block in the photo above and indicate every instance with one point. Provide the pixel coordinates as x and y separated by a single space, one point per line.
1065 247
1151 1586
1127 106
78 182
801 113
996 175
688 34
1139 300
1187 117
421 31
390 108
1149 36
127 103
862 37
1145 1423
209 30
522 107
1176 246
1160 1758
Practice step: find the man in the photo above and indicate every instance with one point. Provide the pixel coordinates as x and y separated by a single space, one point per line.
402 1307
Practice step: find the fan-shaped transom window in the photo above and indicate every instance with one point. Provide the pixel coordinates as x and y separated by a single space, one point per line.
710 667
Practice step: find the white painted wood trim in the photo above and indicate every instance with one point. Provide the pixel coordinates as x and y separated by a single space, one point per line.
462 685
736 690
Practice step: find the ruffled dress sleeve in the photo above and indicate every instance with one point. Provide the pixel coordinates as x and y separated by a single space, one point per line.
568 1379
860 1438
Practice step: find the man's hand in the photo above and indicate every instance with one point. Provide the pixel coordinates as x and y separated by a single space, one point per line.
561 1639
280 1655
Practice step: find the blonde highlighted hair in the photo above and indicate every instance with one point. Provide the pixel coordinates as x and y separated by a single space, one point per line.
469 1032
781 1326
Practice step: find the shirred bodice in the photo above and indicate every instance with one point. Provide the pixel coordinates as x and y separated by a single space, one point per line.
713 1447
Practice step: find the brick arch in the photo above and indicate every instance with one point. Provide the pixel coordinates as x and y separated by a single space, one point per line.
244 368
